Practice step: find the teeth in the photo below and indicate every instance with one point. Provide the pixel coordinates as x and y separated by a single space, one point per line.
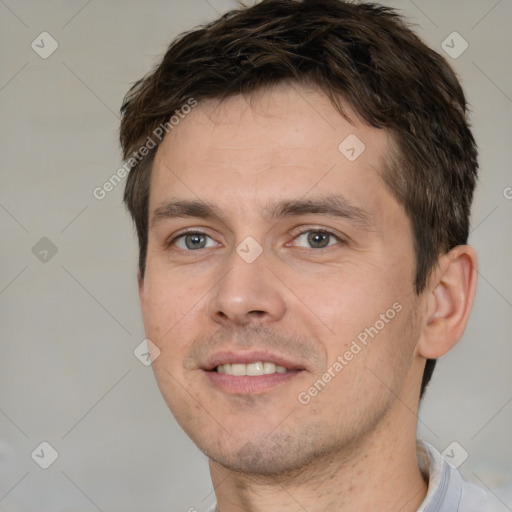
269 368
252 369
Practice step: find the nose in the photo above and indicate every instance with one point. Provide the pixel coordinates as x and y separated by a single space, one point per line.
248 292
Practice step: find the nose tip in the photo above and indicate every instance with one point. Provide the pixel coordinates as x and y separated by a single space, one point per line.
247 293
241 316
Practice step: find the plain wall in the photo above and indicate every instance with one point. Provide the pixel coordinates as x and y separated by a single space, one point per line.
70 324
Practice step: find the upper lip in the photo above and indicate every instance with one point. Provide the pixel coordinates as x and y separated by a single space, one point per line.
247 357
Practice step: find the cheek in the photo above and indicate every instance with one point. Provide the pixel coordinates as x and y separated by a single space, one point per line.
169 297
365 310
349 299
390 355
369 362
170 310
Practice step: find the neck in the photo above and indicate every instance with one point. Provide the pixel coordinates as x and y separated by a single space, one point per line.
380 472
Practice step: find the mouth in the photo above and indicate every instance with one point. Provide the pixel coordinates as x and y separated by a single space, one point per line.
251 369
250 373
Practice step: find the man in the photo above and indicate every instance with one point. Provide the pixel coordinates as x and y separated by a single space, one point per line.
301 186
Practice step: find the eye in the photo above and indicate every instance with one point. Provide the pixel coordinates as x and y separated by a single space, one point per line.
316 239
193 241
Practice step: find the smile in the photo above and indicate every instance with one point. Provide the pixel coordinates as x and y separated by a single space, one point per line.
251 369
249 372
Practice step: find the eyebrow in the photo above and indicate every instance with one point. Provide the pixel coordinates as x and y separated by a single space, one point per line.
334 205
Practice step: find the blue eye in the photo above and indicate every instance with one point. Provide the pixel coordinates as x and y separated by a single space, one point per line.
193 241
317 239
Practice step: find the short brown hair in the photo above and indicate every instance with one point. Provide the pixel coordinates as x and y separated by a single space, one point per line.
363 55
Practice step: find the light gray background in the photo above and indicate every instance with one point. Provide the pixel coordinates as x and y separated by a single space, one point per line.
70 324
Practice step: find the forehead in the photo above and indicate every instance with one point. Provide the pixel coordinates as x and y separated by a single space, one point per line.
286 142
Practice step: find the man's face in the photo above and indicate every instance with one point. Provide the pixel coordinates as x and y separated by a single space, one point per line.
302 258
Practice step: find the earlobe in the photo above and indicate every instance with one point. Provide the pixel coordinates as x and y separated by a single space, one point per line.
450 298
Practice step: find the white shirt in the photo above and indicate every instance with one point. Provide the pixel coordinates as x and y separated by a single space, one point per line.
447 490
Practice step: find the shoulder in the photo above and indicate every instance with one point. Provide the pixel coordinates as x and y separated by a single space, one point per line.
448 490
479 499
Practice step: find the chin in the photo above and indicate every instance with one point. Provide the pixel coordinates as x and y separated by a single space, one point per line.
275 455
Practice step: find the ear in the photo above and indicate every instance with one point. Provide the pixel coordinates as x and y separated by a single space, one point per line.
450 294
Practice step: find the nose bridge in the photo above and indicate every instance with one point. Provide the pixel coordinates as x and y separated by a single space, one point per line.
248 289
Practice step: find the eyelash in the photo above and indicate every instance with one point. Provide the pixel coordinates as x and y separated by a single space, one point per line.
323 231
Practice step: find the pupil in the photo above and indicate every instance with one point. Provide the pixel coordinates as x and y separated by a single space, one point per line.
318 239
194 241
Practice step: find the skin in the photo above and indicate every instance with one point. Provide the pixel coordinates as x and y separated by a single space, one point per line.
267 450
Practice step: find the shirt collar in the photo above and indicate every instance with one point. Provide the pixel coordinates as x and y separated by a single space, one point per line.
444 482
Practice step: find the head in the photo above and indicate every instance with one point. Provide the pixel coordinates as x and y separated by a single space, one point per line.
270 105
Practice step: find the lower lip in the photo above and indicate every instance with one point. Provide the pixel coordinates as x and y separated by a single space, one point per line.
249 385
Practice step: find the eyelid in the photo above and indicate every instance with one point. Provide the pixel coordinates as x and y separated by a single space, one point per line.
328 231
186 231
295 234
